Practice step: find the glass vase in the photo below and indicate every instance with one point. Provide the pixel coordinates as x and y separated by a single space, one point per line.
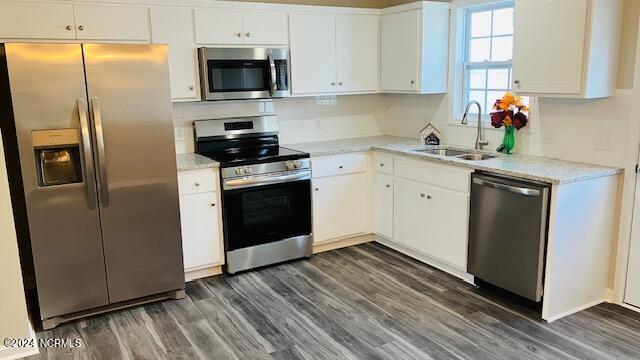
509 140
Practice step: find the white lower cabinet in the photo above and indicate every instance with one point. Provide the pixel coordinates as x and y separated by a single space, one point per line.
340 206
383 189
200 240
431 219
201 221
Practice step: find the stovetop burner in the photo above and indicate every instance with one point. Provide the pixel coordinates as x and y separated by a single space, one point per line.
239 157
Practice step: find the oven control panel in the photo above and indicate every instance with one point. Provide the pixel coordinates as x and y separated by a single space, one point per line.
266 168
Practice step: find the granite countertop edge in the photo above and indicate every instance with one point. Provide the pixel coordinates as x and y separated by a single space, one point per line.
193 161
405 147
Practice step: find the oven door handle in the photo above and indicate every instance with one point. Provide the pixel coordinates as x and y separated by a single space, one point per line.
273 75
230 184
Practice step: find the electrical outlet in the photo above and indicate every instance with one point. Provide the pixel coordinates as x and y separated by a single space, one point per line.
604 141
318 124
547 136
178 133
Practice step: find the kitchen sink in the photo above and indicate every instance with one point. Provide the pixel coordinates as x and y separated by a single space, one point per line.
442 152
475 157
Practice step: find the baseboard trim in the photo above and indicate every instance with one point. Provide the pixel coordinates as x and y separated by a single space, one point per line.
429 260
573 311
342 243
202 273
629 306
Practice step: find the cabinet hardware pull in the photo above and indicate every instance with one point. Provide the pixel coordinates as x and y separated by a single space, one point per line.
197 184
81 27
213 204
316 189
69 27
191 87
248 34
333 83
413 82
428 196
239 34
422 195
381 164
340 83
388 185
517 82
341 167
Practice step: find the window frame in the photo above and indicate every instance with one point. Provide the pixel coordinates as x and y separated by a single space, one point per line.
468 65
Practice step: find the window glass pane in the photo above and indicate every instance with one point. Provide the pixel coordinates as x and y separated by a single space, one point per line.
477 78
503 22
492 96
479 50
498 79
481 24
479 97
502 49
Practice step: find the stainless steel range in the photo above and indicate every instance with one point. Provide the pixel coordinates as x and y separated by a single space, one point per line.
266 191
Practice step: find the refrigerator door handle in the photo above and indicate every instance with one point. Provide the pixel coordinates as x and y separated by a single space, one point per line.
89 175
103 188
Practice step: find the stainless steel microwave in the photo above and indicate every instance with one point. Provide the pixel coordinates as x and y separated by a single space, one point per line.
243 73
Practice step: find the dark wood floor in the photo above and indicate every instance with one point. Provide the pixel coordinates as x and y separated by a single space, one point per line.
363 302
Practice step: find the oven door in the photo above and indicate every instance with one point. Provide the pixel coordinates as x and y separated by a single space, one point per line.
268 213
242 73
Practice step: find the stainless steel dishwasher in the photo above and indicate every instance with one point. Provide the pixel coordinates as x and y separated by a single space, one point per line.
508 233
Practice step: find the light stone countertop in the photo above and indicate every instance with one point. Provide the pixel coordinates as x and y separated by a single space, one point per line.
529 167
194 162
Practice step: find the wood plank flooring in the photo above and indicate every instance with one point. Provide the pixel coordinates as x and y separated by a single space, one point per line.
362 302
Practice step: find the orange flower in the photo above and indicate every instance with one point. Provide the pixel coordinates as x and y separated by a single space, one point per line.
507 121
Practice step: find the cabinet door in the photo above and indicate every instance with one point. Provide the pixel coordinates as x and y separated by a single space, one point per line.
313 53
549 46
399 51
409 207
33 20
339 206
174 27
383 204
200 236
111 22
265 28
446 226
357 49
214 26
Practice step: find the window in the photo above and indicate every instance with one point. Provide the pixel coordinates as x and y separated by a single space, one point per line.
487 54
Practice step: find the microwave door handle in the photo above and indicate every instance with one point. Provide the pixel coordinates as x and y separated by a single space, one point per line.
89 171
272 68
103 188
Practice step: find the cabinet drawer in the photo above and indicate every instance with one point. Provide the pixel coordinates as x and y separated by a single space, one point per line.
445 176
383 164
338 165
196 181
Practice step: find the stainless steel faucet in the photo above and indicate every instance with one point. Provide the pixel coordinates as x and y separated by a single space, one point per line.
480 142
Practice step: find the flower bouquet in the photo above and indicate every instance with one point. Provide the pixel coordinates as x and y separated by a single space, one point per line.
512 114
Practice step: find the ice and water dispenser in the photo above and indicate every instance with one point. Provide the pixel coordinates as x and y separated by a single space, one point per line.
57 155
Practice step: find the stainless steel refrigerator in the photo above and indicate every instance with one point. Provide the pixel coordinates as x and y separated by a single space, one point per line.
95 156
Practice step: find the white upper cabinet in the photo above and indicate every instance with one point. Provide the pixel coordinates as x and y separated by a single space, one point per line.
34 20
566 56
111 22
215 26
235 27
334 53
174 27
313 53
414 48
265 27
357 51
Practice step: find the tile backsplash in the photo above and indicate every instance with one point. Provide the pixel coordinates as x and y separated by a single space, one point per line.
299 119
593 131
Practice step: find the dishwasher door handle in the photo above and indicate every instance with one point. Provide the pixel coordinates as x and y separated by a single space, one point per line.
509 188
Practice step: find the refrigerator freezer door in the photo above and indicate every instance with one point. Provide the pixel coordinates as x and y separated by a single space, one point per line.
47 84
128 87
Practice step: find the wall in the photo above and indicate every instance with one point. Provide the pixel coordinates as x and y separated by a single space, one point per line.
299 119
14 322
